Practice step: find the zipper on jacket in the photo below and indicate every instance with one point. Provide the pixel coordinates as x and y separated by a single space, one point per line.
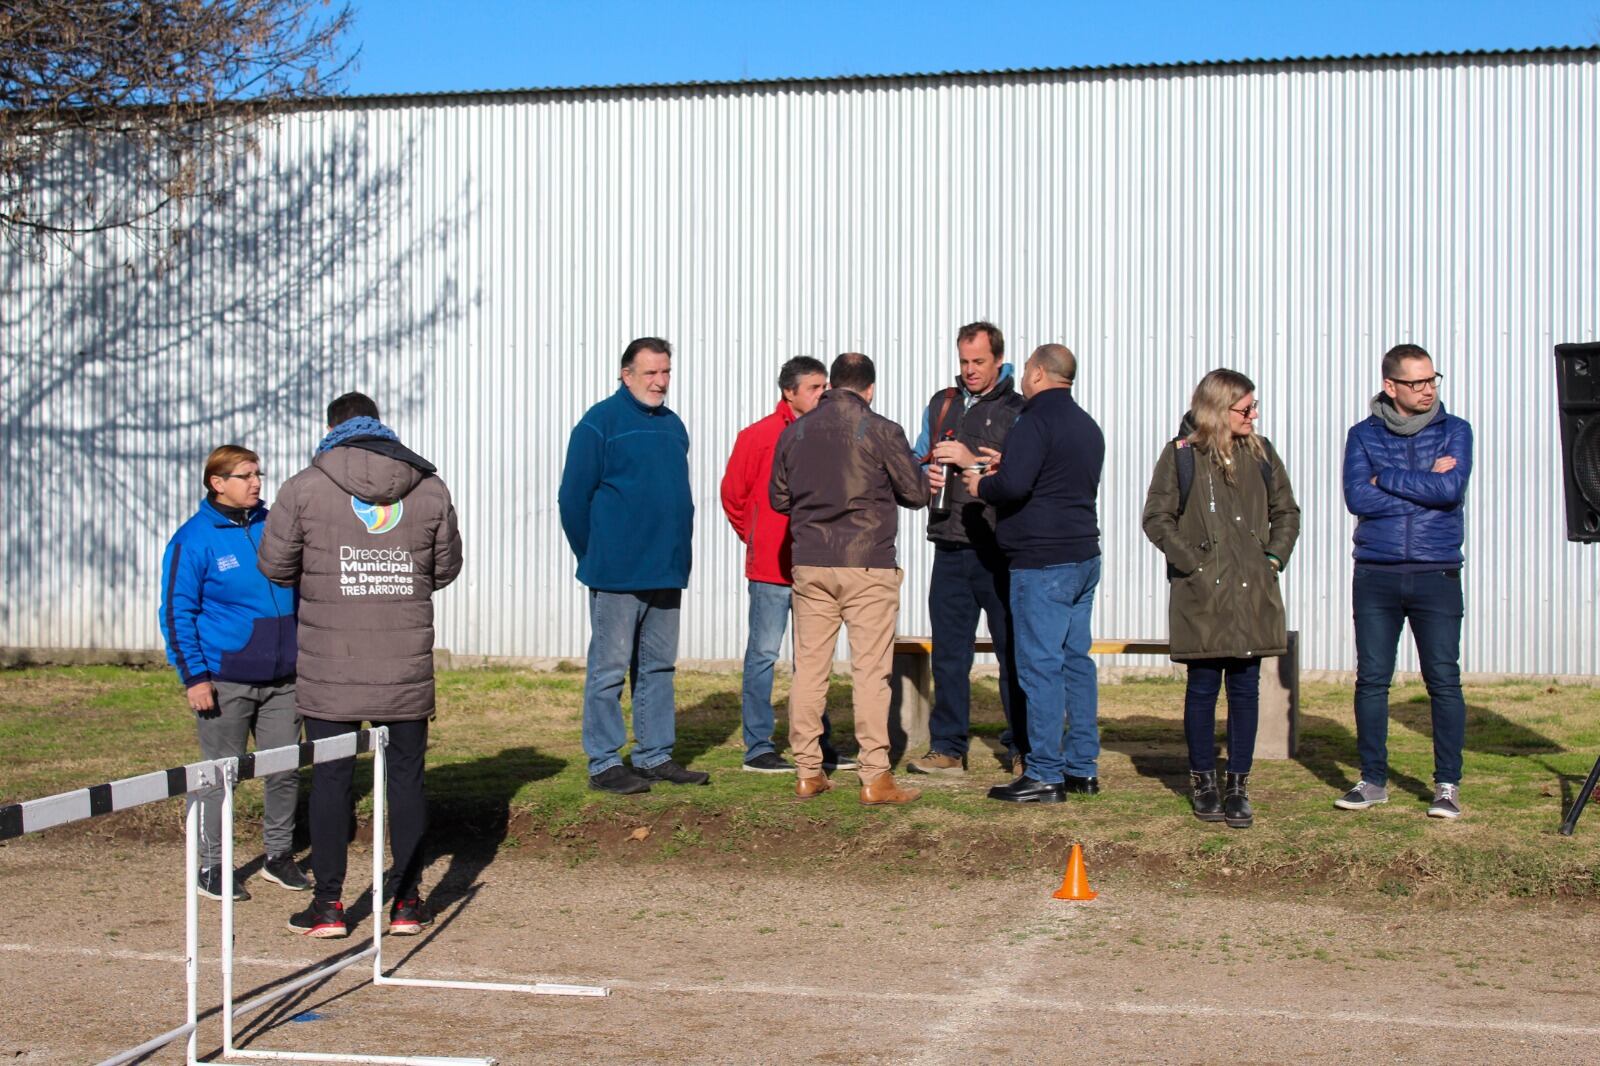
272 591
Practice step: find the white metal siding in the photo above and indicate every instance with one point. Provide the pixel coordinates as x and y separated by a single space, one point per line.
478 265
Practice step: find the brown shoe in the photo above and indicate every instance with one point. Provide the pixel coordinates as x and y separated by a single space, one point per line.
882 789
807 787
935 763
1017 767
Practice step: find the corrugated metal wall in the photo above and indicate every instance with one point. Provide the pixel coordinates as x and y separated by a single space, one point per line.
479 263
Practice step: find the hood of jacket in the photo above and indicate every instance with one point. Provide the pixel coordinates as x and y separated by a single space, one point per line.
1187 426
370 475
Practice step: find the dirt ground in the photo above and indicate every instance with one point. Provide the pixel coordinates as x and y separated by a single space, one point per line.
710 963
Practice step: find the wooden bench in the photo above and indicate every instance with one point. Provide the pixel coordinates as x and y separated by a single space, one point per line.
911 692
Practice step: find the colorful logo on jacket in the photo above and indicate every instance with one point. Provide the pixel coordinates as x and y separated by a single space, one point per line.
378 517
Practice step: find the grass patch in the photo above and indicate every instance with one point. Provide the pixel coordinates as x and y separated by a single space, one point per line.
507 770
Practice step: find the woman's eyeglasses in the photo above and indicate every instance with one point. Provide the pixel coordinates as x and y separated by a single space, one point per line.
1246 412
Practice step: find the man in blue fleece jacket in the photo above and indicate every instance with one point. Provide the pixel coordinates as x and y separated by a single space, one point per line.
627 513
1045 493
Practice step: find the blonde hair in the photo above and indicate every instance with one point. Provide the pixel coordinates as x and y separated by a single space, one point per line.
222 461
1217 392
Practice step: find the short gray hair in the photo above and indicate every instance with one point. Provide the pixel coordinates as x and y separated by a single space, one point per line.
1056 360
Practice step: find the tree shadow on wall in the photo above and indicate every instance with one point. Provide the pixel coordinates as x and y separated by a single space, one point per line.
125 365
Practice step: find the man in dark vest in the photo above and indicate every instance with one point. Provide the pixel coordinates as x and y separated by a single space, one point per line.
969 569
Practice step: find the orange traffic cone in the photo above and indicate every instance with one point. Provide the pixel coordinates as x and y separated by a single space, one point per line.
1075 885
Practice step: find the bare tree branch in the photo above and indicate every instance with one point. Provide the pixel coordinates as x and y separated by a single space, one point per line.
143 100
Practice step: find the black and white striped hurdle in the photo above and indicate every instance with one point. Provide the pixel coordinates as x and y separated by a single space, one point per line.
32 816
275 760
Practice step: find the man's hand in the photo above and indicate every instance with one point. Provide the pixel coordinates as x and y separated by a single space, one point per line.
970 478
953 451
1444 464
202 698
991 457
935 477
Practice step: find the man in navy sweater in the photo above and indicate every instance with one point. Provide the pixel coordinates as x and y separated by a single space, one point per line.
628 515
1045 493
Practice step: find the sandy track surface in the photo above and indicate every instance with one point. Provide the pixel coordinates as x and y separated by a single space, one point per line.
711 963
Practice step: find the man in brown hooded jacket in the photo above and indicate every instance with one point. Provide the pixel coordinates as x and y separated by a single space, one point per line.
367 533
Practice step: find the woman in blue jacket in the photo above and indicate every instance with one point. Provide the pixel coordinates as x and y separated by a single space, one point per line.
230 634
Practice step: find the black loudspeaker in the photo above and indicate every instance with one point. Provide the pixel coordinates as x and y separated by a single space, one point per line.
1578 393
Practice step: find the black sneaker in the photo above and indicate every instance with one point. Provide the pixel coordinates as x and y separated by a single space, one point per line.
769 762
209 885
322 921
282 870
620 780
408 916
836 761
672 773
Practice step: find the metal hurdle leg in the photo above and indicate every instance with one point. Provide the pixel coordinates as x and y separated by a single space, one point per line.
380 787
191 938
231 1012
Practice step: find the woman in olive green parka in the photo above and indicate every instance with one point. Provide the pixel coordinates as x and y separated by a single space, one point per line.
1222 511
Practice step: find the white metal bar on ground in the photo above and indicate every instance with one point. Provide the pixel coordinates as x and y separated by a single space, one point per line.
495 986
399 1060
380 773
156 1043
300 982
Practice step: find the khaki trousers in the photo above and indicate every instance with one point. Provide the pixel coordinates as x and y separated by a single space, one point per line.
866 602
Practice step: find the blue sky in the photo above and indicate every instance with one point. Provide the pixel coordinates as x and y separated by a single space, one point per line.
424 45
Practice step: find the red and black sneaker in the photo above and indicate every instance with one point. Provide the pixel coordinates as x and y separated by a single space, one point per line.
323 920
408 916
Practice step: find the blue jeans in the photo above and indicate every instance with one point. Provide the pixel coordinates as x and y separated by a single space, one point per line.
1432 603
633 635
966 581
1050 611
769 617
1200 712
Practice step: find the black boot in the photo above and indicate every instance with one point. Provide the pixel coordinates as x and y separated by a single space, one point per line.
1236 809
1204 795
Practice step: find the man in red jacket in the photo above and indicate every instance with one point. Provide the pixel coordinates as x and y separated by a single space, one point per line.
765 534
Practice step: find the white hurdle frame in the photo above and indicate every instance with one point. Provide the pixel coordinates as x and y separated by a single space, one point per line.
274 760
36 815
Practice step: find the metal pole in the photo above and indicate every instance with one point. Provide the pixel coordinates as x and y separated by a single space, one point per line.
1571 821
380 790
229 768
191 921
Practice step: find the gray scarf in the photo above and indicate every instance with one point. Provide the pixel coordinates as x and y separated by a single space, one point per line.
1399 424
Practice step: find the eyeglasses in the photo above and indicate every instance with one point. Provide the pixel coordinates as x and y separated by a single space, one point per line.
257 476
1246 412
1420 383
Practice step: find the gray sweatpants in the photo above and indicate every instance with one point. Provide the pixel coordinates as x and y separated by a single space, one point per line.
268 710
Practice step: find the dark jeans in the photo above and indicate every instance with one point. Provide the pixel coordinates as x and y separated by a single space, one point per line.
1432 603
1206 679
966 581
332 808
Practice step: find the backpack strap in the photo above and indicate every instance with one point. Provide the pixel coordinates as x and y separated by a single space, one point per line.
1185 471
938 424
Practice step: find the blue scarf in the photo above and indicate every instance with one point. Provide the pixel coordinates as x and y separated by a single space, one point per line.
360 426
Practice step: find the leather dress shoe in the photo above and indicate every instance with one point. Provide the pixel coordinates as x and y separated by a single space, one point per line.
882 789
1026 790
1089 786
806 787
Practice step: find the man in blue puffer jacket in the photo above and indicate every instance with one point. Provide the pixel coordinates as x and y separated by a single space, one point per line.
1405 479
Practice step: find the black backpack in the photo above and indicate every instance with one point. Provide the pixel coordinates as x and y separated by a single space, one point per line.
1186 473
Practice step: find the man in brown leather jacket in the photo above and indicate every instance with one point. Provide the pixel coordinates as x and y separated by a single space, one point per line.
838 473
